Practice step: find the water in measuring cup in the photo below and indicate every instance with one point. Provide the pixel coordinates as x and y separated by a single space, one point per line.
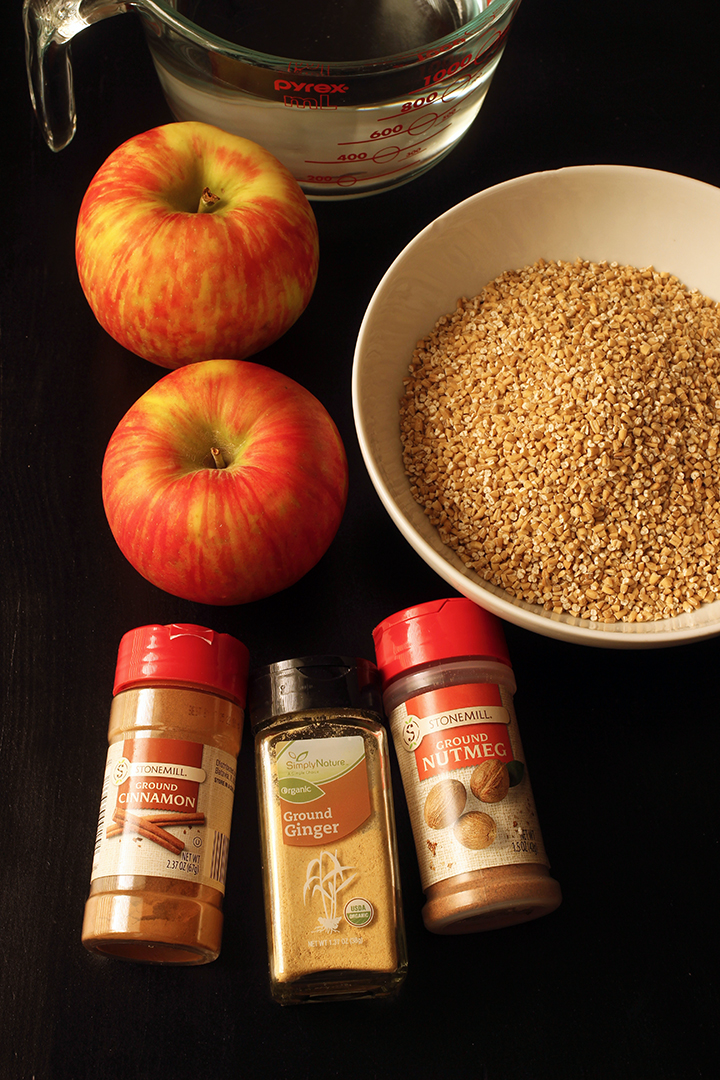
333 144
330 30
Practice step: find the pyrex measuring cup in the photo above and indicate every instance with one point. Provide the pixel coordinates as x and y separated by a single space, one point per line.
344 127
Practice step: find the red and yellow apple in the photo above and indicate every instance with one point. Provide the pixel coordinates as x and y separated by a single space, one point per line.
192 243
225 482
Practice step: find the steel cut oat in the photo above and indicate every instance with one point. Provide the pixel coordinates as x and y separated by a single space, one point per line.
561 430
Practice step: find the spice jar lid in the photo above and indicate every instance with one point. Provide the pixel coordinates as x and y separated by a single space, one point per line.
183 653
313 682
438 630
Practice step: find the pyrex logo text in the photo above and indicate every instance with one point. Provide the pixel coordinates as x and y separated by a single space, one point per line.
317 88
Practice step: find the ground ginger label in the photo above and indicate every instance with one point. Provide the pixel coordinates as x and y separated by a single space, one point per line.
468 792
325 820
165 811
323 786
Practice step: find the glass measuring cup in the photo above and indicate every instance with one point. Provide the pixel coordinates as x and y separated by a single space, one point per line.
350 126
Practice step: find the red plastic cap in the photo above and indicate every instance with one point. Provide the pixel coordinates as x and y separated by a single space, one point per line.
183 653
438 630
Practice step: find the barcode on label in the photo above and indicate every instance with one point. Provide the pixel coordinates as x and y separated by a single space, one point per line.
101 819
218 862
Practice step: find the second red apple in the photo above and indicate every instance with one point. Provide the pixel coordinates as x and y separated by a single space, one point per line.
225 482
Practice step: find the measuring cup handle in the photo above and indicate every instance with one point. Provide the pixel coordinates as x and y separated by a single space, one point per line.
49 27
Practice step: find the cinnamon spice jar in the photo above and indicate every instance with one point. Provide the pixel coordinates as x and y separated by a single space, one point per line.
448 691
332 890
158 873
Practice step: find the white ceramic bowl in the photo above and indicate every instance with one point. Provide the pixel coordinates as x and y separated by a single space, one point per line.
637 217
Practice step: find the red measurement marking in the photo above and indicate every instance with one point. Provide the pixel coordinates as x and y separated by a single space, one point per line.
368 161
379 138
418 112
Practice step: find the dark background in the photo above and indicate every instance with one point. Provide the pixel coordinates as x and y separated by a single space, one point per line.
621 982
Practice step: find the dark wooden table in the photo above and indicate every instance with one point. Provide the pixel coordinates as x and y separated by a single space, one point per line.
622 981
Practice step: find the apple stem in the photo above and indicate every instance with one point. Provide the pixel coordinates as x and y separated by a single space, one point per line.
217 456
208 201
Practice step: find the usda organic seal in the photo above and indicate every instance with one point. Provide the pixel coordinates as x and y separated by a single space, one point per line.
359 912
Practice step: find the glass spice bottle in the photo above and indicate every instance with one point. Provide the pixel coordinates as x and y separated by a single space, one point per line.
158 873
332 889
448 692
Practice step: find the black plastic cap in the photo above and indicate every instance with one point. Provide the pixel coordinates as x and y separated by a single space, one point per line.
313 682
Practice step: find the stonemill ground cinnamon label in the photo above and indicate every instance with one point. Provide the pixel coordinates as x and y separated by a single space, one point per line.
165 811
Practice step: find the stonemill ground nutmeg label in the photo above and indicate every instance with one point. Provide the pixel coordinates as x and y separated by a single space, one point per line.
467 788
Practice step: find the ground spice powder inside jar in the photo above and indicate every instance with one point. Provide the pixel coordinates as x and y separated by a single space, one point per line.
332 891
448 692
158 874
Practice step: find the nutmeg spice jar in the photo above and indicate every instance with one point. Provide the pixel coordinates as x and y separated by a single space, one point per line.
448 690
332 891
158 873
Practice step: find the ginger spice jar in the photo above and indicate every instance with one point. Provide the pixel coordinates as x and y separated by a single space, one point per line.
448 692
332 890
158 873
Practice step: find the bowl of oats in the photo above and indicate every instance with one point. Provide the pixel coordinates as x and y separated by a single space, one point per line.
536 392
